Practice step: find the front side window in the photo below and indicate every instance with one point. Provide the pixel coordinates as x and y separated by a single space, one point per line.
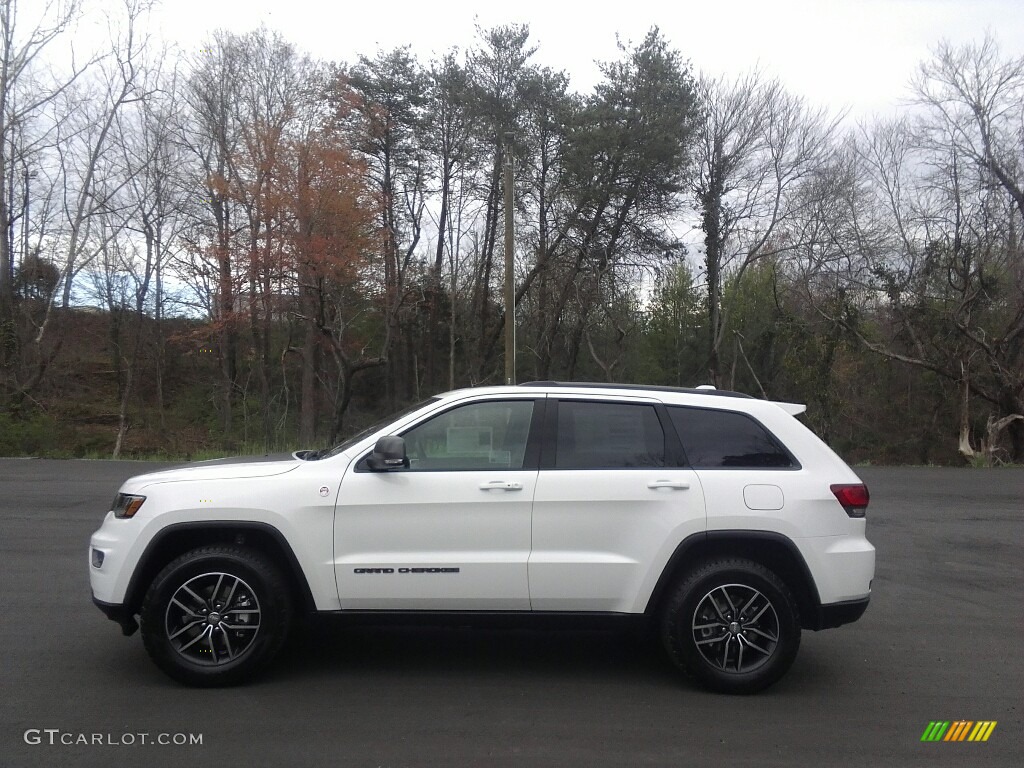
724 439
484 435
594 435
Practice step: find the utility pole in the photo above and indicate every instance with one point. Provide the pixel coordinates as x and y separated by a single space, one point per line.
510 288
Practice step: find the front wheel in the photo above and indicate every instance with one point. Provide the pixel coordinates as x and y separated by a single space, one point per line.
732 624
216 615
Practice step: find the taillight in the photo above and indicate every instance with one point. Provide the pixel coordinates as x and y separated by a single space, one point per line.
853 497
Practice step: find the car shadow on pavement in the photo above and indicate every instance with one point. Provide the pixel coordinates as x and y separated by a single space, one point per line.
324 647
329 647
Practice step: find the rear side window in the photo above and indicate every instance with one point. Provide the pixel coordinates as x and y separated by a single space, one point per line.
713 439
594 435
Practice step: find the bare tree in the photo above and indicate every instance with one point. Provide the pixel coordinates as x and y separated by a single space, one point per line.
83 119
90 168
917 262
27 89
758 144
151 207
976 99
209 129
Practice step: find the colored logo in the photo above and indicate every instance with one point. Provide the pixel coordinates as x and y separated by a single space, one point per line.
958 730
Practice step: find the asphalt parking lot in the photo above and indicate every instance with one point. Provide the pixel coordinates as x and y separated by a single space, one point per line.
942 640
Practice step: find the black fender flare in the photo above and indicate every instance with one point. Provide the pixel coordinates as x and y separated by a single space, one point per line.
178 538
773 550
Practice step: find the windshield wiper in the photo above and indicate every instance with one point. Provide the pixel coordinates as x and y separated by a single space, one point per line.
311 455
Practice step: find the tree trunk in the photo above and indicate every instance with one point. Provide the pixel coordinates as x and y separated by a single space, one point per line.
711 223
310 358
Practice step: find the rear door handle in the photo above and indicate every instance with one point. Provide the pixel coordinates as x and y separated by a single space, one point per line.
677 485
501 485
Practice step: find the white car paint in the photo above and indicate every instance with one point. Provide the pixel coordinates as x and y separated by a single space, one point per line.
541 540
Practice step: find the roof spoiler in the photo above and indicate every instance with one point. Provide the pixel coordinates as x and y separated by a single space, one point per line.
793 409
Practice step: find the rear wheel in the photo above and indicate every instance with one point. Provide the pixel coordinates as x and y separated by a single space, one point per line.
216 615
732 624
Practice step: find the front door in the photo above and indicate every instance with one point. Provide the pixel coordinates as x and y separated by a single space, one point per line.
451 532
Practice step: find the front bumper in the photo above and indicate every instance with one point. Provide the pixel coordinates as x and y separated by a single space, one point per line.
118 614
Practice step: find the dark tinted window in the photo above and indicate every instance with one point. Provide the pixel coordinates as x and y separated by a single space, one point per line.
608 436
726 439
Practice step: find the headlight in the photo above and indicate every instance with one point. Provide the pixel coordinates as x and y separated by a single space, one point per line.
126 504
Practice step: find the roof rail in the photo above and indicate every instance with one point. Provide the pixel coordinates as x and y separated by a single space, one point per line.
651 387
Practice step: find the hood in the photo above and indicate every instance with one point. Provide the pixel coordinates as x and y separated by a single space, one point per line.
222 469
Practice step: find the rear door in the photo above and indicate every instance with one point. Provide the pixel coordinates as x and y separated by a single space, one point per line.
613 499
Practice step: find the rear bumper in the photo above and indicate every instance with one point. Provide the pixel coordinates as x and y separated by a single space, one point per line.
118 614
836 614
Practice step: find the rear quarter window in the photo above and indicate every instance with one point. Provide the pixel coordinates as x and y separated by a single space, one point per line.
727 440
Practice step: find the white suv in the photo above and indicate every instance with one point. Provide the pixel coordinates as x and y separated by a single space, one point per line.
719 516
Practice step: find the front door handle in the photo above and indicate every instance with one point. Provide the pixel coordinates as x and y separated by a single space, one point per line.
501 485
676 485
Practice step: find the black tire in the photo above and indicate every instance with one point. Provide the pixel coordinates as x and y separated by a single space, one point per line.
732 625
216 615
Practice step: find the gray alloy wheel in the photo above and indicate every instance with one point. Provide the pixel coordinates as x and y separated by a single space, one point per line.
735 627
213 618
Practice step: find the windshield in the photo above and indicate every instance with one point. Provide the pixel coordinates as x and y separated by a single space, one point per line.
348 443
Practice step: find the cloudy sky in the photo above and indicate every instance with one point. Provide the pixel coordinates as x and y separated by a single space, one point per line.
852 54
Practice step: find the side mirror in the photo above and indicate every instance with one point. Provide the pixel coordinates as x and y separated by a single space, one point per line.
388 454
